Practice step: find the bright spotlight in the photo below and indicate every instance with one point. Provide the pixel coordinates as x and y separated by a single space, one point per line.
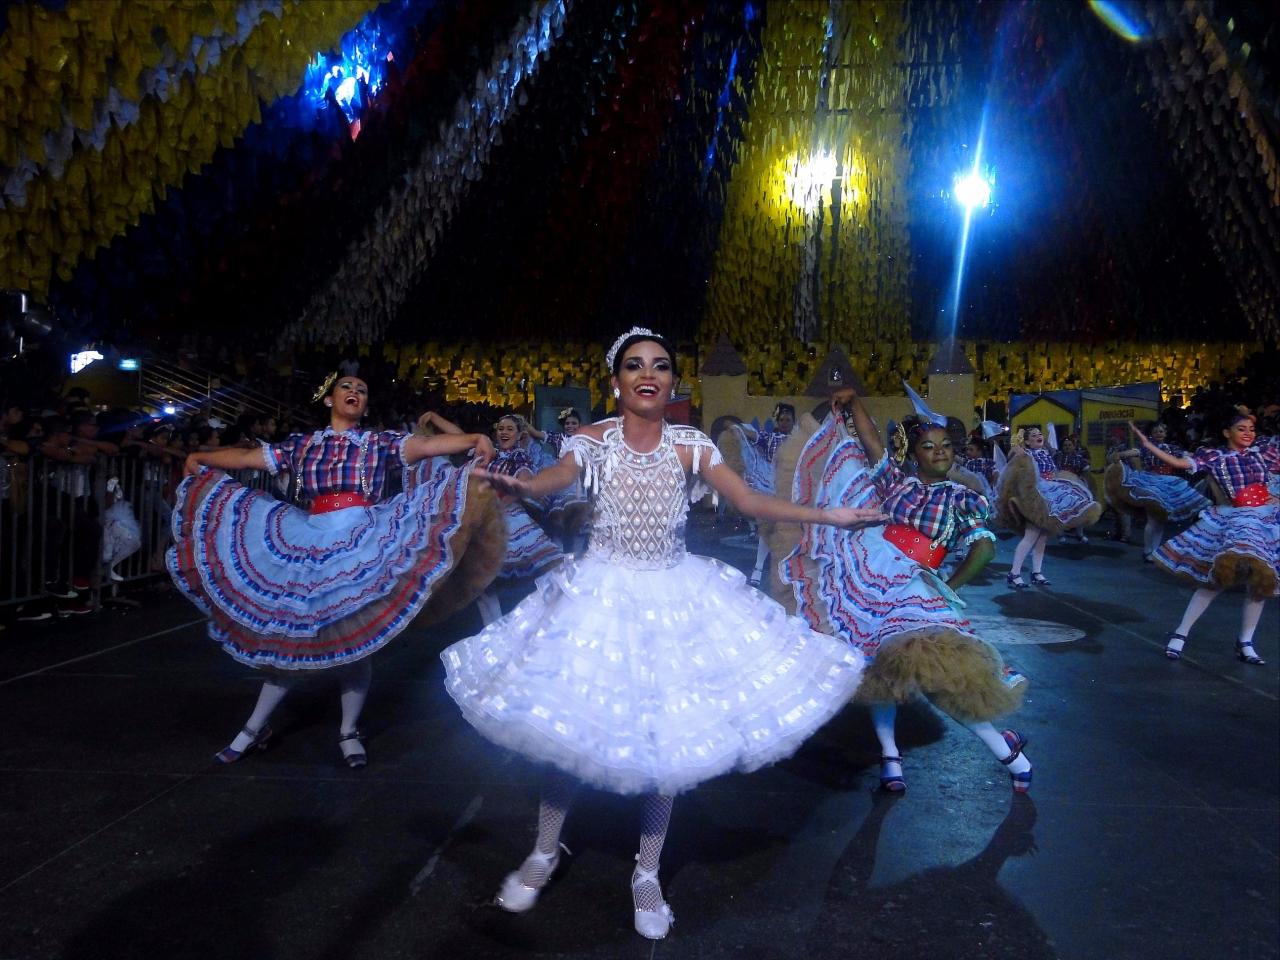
1123 17
809 180
169 409
82 359
128 363
972 191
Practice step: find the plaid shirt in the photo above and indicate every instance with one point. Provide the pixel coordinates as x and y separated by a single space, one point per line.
1044 463
983 466
768 442
943 510
1075 462
1234 471
511 462
556 440
1154 465
323 462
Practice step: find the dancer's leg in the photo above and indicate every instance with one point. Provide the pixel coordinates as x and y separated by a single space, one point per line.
1248 624
490 608
558 790
1198 604
762 555
273 691
354 680
1152 534
653 916
1029 538
1037 550
884 716
999 746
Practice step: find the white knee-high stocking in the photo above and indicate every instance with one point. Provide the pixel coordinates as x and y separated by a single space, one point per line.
1249 618
273 691
1152 534
355 679
1037 551
1029 538
1199 603
997 744
490 608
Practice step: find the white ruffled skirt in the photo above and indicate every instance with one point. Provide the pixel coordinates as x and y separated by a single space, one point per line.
650 681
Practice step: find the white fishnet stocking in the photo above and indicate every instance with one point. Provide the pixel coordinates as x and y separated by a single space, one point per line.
558 790
654 818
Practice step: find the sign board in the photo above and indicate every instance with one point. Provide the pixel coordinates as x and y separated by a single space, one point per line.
1105 414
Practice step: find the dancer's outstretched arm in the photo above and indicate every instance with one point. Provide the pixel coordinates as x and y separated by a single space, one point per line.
1182 463
761 506
867 432
446 444
541 484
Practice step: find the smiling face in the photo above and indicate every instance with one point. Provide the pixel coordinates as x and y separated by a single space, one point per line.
570 425
349 398
1241 434
1034 438
784 421
506 432
1159 432
645 378
934 453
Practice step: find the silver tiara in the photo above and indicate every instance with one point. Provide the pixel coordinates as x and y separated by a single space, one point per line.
617 344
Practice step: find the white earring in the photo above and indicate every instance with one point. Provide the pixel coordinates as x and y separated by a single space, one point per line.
616 393
673 393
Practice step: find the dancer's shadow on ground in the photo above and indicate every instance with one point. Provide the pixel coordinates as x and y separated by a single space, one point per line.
957 913
223 906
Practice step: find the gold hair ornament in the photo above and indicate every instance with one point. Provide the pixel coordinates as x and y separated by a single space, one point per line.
898 443
325 387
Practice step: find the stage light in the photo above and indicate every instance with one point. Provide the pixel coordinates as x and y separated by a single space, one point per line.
169 409
1123 19
972 190
345 92
809 180
127 363
82 359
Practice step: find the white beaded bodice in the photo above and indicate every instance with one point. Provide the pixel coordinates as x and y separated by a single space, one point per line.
641 499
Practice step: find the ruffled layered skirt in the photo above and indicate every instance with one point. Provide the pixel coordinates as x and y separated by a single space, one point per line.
1228 547
288 590
856 585
1162 496
907 621
641 681
529 550
1062 503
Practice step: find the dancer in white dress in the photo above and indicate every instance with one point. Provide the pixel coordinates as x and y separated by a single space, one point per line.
638 668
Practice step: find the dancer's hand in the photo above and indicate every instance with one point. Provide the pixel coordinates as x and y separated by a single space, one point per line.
482 452
855 516
191 466
514 486
1142 437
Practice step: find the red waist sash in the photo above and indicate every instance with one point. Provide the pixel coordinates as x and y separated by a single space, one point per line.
1254 495
329 502
915 545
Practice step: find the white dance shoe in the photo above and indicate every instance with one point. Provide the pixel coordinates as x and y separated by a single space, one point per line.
516 897
653 924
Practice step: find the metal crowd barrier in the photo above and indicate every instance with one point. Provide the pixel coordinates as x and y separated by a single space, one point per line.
54 515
